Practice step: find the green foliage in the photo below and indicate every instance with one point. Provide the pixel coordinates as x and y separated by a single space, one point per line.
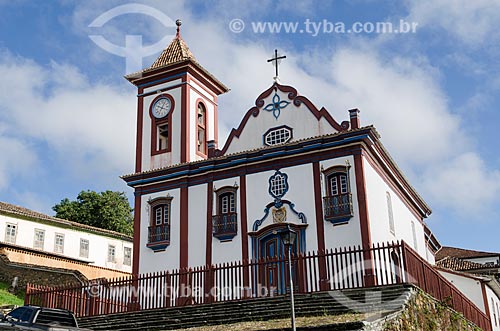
106 210
7 298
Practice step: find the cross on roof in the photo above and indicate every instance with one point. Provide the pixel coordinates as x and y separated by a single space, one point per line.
276 60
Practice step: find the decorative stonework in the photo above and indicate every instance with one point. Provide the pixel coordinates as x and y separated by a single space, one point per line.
276 105
279 215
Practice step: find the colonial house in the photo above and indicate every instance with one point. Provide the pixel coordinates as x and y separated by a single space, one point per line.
35 239
288 163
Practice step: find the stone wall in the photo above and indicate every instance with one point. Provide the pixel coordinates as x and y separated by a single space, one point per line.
424 313
89 271
40 275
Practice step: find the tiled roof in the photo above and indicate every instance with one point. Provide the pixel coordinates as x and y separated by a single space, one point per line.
177 51
461 253
7 208
457 264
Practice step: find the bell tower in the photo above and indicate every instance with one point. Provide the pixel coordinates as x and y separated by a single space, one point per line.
176 108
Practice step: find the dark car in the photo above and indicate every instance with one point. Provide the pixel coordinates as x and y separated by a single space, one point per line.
39 318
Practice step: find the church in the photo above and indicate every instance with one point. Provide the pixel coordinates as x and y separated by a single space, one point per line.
288 164
216 218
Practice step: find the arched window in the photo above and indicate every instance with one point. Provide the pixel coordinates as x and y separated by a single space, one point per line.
225 222
201 141
338 200
159 227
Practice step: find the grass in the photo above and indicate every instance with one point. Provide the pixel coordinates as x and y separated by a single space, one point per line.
7 298
283 323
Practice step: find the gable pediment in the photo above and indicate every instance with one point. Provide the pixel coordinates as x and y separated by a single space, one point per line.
280 116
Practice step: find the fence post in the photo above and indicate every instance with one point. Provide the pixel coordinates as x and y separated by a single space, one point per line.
28 294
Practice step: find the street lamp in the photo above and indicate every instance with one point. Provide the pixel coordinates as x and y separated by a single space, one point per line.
288 237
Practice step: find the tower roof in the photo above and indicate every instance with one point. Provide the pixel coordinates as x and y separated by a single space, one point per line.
177 55
177 51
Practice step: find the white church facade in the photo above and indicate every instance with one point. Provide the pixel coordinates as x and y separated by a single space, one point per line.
288 162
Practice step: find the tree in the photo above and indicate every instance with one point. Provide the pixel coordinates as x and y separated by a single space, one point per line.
106 210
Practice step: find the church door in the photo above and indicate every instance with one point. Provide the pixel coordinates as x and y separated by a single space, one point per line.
276 274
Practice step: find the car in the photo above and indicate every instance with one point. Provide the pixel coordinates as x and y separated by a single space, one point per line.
39 318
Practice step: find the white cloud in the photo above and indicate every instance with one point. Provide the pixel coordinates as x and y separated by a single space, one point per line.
88 125
464 184
17 159
472 22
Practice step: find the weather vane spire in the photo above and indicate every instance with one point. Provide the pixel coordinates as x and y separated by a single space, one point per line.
276 60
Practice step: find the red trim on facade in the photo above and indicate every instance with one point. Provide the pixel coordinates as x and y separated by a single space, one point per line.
366 240
486 303
318 197
244 218
137 235
297 100
157 121
184 143
138 139
210 205
184 228
320 223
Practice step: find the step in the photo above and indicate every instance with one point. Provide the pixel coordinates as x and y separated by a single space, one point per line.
317 304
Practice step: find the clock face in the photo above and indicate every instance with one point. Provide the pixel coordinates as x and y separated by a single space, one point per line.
162 107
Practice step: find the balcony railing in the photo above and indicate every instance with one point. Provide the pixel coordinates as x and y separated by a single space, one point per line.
225 226
159 235
338 208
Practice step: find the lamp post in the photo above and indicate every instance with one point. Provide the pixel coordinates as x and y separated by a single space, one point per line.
288 238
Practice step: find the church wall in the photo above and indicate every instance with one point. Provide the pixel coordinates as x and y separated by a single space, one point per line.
300 119
231 250
346 234
168 259
301 193
376 189
156 161
197 227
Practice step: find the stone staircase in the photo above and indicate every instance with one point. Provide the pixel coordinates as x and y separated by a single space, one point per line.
383 299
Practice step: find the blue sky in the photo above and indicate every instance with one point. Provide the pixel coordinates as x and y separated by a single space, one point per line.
67 116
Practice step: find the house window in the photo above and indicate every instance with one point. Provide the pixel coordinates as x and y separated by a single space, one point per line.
11 233
225 221
279 135
39 239
159 227
84 248
414 232
111 253
127 256
201 145
337 203
390 213
59 243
